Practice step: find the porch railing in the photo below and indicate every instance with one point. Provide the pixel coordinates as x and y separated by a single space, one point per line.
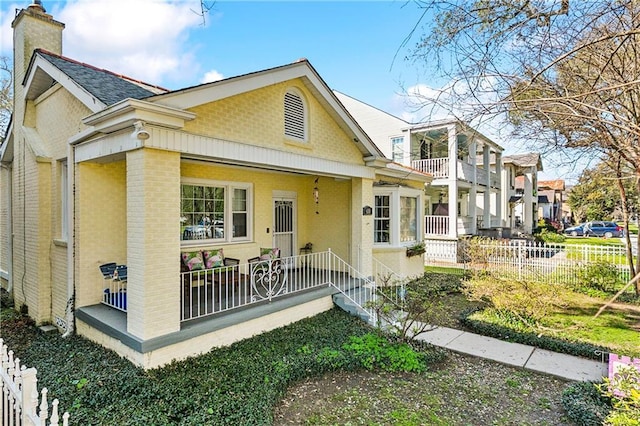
223 289
19 395
436 225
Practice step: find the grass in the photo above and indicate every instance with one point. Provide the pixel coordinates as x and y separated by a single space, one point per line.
593 241
617 328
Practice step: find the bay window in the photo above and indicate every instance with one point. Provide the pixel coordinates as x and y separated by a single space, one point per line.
397 214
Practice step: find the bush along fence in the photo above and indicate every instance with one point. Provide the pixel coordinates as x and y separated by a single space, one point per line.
19 395
549 262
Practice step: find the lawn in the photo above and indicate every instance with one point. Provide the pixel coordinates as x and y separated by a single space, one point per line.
617 328
594 241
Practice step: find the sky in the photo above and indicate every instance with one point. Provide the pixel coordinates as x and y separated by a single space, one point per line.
359 48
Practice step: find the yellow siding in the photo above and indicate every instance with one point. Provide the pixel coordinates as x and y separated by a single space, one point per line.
101 217
257 118
397 260
330 228
4 223
57 116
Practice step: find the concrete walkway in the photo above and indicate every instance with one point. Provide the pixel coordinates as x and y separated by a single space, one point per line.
556 364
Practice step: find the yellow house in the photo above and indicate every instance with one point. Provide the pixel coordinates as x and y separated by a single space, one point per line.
185 191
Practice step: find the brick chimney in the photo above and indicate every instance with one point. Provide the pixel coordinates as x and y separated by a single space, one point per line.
33 28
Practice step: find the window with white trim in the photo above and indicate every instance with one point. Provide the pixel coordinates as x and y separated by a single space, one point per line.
397 149
382 219
408 219
215 211
295 116
64 200
397 215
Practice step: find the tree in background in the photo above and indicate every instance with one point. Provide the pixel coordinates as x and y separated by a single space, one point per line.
596 196
563 74
6 94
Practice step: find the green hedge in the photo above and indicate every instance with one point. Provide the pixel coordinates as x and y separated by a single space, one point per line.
585 350
584 404
238 384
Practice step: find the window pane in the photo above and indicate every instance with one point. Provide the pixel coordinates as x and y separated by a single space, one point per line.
397 149
202 215
381 221
408 219
239 224
239 200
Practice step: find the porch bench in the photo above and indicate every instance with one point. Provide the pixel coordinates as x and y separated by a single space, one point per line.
209 266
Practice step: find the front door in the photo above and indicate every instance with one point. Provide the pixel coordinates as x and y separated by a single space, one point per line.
284 226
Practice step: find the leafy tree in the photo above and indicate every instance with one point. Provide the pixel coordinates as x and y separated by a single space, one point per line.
565 74
6 94
596 195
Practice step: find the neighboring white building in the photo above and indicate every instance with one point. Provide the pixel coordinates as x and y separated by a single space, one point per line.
520 191
471 189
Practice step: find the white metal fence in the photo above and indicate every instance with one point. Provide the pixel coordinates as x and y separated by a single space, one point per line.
555 263
19 395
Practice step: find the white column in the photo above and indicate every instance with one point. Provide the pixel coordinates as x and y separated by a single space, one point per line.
473 192
486 164
527 211
499 200
453 181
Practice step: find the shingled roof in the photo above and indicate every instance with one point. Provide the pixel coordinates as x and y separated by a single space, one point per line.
106 86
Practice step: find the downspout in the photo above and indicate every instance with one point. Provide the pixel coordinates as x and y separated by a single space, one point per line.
71 242
9 228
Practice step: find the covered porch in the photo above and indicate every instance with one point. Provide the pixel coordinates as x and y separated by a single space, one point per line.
218 307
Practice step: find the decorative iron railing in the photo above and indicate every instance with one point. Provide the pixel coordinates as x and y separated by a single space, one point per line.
218 290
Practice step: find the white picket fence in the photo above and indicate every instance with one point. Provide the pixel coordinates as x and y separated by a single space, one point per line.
19 395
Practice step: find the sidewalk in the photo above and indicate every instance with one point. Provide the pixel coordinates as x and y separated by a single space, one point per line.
556 364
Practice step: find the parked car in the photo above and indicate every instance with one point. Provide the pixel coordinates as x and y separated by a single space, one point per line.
575 231
601 228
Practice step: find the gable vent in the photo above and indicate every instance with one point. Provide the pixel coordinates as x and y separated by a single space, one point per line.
294 116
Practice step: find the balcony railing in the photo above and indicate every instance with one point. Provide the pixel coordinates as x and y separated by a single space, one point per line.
436 225
439 168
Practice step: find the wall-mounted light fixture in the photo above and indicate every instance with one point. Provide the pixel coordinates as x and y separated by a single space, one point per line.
367 211
139 132
316 194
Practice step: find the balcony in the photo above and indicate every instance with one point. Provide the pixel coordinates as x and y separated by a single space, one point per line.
439 168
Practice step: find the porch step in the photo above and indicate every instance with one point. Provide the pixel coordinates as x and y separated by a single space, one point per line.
344 303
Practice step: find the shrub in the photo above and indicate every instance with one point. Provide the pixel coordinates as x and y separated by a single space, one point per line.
409 310
584 404
624 392
601 276
550 236
528 301
375 352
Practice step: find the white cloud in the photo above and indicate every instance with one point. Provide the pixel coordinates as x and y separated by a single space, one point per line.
211 76
142 39
6 32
